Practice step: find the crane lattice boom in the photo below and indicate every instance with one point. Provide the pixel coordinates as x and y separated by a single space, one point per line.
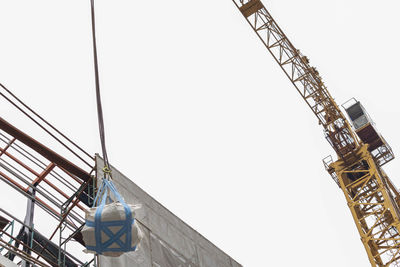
305 78
371 196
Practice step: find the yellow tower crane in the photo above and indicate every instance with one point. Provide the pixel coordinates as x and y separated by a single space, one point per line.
361 151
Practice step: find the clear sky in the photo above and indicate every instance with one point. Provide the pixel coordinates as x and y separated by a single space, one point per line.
200 116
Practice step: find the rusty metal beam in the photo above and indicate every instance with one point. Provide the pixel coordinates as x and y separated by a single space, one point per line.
43 174
20 162
42 177
35 198
7 146
43 150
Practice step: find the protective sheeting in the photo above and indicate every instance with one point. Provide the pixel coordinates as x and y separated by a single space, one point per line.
167 240
164 255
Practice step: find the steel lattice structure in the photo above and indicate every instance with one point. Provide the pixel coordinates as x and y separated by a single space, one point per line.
371 196
62 188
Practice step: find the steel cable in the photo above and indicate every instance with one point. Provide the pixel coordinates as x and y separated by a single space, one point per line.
98 95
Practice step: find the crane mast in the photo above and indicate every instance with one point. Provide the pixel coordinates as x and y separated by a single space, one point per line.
361 151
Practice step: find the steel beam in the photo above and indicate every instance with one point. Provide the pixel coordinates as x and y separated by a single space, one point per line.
43 150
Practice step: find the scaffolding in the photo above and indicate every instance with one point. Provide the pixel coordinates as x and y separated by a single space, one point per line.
62 188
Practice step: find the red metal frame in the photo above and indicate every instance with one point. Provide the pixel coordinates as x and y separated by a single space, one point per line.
43 150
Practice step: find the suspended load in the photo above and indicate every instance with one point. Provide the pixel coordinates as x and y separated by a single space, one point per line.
111 228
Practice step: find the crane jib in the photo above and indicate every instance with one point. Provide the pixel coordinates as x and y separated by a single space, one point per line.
373 199
251 7
305 78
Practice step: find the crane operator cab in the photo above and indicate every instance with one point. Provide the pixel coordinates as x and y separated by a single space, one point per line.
366 131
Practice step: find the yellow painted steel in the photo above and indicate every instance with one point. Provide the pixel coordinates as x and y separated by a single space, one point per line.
371 196
373 202
304 77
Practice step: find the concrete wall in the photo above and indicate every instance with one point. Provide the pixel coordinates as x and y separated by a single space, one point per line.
168 241
4 262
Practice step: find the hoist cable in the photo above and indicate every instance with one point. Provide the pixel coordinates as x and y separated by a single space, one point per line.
98 96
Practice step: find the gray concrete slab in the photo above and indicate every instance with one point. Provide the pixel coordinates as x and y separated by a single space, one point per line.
168 241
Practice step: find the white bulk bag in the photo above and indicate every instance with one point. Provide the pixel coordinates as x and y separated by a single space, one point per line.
111 229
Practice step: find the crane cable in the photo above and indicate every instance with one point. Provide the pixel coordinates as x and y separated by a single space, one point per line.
106 169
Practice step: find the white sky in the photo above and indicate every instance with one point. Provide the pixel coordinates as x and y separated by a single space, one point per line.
200 116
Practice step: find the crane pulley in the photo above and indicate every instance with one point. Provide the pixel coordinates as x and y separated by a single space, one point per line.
373 200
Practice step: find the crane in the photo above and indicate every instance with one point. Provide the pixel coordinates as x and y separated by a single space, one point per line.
361 150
